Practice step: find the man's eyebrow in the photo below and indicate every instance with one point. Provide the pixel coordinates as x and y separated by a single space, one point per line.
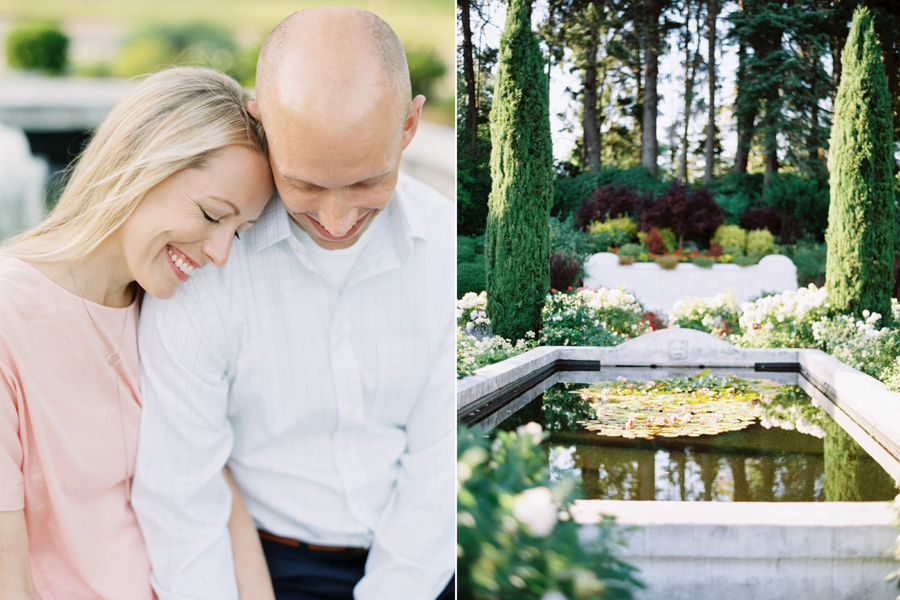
303 181
237 211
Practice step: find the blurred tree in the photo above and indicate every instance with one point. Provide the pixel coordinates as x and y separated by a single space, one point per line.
38 46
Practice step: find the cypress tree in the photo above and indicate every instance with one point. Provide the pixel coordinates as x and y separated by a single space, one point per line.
861 214
517 244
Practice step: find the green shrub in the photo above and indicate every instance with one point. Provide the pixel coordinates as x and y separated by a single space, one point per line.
516 537
612 233
761 241
745 261
425 69
470 276
736 192
668 262
703 262
731 237
630 251
465 249
802 198
158 46
567 240
810 259
37 46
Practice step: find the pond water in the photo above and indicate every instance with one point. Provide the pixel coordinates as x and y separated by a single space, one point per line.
793 451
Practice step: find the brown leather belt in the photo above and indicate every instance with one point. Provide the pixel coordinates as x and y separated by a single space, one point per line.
265 535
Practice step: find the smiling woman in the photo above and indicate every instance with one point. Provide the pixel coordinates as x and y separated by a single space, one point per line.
171 177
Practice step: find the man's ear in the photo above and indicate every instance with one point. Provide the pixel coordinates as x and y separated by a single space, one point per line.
253 109
412 121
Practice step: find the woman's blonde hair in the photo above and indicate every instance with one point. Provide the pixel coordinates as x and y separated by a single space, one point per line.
172 120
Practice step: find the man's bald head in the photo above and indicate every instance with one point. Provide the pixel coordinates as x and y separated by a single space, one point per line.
337 60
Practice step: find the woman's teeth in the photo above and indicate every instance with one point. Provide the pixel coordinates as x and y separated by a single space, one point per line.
186 268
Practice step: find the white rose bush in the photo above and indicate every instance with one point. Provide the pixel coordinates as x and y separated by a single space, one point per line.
515 537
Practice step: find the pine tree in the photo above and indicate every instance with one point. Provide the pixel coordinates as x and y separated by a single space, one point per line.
861 214
517 245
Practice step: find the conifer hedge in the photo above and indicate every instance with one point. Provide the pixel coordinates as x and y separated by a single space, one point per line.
517 239
859 270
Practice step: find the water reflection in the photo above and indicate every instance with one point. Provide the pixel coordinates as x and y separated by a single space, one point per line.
755 464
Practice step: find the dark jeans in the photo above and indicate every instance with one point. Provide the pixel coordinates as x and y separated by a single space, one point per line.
304 574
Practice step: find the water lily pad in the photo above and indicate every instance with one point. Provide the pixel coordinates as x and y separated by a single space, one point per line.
678 407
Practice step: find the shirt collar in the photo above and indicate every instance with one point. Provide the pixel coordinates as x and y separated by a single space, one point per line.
409 219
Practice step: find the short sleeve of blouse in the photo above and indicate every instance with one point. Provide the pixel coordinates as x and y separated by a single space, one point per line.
12 481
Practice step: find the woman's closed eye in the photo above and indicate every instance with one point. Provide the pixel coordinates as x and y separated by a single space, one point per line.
209 218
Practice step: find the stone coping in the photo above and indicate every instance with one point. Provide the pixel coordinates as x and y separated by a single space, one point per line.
659 289
860 403
787 514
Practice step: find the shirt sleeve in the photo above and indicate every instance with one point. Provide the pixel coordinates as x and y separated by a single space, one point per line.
12 481
180 496
413 553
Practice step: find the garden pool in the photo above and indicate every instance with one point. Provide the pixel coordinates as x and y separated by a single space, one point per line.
765 464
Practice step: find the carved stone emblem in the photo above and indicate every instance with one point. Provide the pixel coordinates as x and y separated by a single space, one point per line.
678 350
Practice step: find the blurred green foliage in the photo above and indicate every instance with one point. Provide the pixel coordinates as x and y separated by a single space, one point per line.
425 69
469 265
39 46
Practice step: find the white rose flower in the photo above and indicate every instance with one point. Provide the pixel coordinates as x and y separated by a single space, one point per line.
535 509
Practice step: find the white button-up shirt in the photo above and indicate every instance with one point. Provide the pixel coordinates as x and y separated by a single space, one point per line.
334 412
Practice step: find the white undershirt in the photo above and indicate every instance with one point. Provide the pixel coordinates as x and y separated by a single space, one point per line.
335 265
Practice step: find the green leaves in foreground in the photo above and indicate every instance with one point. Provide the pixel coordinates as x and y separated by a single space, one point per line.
516 538
692 406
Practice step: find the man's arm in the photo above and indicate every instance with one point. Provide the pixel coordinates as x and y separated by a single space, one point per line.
181 497
414 550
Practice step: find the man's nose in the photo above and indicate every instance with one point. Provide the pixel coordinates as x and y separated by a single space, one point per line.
336 215
217 247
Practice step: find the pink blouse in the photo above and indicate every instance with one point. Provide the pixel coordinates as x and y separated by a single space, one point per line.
65 438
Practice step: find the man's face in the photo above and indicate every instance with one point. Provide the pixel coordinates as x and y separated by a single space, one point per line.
335 177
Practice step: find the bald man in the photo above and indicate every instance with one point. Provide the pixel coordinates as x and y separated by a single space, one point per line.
318 364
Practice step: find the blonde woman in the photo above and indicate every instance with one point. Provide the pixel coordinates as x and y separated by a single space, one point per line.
173 175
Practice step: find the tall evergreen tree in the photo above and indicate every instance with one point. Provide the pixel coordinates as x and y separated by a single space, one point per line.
517 244
861 214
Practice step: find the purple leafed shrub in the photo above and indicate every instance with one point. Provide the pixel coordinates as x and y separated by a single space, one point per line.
612 201
764 217
563 270
685 211
654 242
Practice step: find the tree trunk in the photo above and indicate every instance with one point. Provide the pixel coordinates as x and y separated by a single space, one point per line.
746 120
691 64
711 15
591 124
649 142
837 47
469 77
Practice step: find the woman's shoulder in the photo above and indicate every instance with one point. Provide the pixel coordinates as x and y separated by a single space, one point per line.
23 287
